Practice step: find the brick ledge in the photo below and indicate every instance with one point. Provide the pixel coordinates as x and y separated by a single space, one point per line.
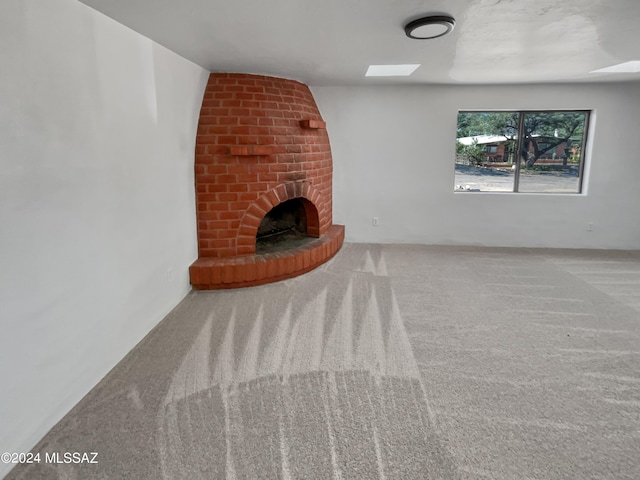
213 273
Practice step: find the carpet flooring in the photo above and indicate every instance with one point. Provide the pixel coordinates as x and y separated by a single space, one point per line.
388 362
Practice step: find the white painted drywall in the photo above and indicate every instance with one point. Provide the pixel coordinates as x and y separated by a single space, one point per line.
97 210
393 154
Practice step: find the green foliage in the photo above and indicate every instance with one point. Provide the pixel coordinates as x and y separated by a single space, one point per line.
542 131
504 124
546 168
473 153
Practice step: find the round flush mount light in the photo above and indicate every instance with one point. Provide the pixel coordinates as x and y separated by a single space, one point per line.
429 27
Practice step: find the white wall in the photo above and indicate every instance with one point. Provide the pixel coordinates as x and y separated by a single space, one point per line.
97 209
393 151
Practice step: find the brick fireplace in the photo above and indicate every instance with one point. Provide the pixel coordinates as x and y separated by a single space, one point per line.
263 172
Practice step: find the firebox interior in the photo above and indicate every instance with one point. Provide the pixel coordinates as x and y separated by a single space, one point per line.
284 227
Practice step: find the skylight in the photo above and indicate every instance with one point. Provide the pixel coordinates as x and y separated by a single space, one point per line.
626 67
391 70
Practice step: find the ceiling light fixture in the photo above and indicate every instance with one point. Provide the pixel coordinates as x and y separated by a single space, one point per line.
433 26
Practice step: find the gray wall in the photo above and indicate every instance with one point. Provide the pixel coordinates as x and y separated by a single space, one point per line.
97 209
394 147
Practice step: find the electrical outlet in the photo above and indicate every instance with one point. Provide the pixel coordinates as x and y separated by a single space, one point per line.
590 227
169 275
375 221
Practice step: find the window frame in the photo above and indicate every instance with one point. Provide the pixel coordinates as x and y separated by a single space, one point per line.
584 146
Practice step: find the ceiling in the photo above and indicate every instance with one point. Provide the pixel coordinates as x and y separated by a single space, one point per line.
332 42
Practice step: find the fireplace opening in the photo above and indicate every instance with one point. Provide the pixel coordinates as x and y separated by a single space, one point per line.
284 227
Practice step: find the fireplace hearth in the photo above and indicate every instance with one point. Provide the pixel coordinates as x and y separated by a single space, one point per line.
263 174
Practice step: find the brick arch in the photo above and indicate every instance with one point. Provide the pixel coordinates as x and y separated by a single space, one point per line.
312 200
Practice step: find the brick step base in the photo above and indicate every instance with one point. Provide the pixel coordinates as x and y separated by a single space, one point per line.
211 273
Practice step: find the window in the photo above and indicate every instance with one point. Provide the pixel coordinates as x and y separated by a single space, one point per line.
521 151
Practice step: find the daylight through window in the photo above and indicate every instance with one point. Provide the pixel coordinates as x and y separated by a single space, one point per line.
523 151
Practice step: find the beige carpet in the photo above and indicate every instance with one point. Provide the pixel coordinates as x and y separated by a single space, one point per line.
389 362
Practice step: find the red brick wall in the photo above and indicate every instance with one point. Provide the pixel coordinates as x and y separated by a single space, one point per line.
261 141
